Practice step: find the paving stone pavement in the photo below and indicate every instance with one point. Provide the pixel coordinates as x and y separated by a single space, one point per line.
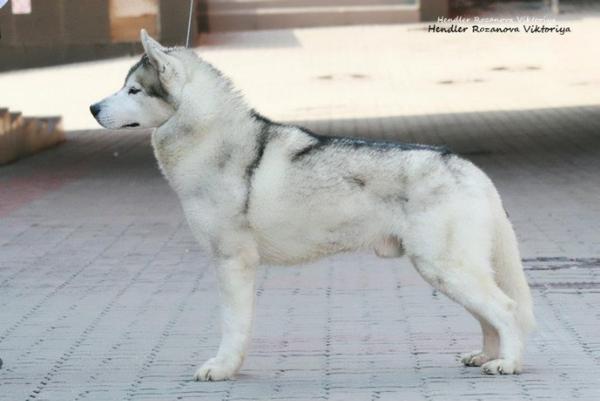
105 296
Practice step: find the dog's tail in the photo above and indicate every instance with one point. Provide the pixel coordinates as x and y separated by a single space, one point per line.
509 272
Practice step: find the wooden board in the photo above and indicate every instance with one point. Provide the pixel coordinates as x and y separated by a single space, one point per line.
127 18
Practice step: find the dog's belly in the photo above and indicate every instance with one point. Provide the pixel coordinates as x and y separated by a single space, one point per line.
293 232
289 249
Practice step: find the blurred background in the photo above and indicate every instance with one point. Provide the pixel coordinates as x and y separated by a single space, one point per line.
364 57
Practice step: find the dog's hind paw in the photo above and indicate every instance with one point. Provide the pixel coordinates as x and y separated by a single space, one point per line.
501 367
475 358
216 369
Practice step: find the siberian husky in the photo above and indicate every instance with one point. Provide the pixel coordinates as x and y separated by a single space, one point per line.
255 191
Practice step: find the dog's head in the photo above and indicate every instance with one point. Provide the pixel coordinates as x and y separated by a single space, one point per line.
152 90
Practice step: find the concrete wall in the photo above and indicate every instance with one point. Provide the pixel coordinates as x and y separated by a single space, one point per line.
62 31
430 10
174 21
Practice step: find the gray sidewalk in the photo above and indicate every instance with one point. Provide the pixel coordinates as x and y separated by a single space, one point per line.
104 295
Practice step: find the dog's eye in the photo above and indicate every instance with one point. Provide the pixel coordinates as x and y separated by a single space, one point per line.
133 91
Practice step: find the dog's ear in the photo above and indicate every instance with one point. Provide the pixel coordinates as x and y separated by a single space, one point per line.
148 42
155 52
169 68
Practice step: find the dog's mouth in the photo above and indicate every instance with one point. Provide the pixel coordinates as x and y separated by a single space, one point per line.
132 125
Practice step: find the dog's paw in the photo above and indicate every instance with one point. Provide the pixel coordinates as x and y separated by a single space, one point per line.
475 358
216 369
501 367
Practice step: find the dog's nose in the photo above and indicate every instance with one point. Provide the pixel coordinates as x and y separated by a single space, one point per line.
95 109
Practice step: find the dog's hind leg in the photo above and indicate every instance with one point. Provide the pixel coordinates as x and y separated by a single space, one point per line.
490 349
476 290
236 276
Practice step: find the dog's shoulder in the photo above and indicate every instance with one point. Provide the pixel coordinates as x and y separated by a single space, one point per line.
289 138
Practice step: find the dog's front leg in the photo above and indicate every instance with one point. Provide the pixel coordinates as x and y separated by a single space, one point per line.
236 283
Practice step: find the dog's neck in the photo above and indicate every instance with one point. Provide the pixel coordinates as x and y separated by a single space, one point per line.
203 125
